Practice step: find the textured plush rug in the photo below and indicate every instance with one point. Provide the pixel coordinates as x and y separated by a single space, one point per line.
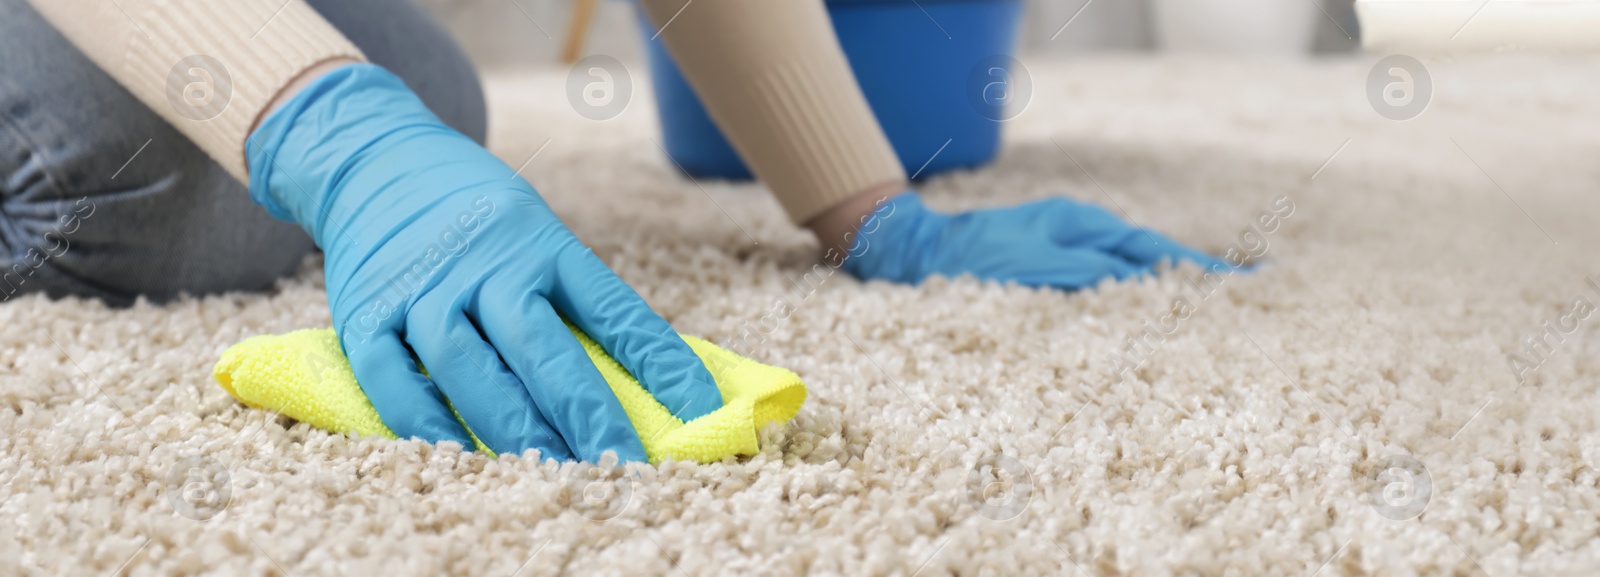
1351 408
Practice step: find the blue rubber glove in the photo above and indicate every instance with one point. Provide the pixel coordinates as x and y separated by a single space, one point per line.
435 248
1058 243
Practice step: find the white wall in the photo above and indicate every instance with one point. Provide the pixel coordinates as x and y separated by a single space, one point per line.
1099 25
1128 25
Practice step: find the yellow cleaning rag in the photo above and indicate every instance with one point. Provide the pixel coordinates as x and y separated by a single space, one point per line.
305 375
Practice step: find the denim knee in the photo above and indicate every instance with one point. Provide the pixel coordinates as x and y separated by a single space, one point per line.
178 224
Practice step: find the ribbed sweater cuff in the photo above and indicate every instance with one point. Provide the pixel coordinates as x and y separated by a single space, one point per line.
208 67
823 143
773 77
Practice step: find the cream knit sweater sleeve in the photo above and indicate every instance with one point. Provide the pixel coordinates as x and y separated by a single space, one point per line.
208 67
774 79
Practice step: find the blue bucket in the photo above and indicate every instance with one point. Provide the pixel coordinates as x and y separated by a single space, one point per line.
931 79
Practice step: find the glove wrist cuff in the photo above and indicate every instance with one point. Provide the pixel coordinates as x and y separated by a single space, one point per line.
302 153
892 244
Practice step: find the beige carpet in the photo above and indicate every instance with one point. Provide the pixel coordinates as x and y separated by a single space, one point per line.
956 427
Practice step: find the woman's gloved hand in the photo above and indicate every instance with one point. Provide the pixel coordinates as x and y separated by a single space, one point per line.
1058 243
435 248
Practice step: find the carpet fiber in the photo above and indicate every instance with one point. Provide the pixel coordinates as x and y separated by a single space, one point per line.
1350 408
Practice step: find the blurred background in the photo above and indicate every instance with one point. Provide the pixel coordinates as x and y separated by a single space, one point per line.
502 34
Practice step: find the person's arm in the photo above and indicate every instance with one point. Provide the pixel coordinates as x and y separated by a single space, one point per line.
774 79
211 69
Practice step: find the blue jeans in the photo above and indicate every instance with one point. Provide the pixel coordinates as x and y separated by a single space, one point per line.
101 198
